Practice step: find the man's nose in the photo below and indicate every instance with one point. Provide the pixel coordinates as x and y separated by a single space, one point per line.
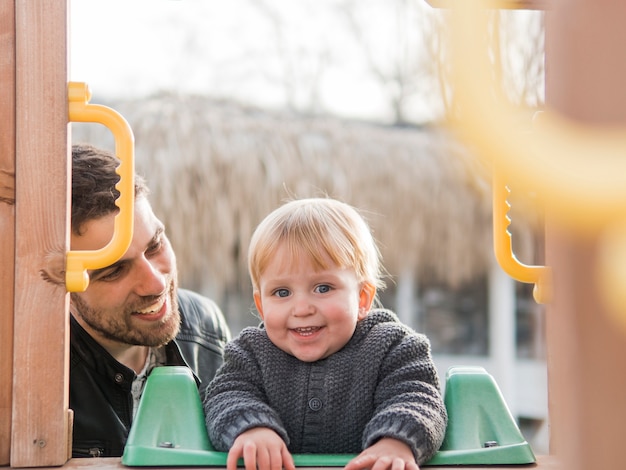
150 279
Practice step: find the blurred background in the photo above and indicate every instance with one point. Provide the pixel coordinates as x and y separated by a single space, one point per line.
237 106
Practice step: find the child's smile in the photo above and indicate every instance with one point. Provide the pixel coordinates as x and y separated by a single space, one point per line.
309 312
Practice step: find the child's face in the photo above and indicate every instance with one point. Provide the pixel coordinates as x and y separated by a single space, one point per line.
307 313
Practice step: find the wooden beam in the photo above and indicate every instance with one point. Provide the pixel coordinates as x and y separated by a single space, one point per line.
544 462
40 424
496 4
7 219
585 76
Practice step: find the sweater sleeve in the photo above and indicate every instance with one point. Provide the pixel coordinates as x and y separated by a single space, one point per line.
409 405
235 399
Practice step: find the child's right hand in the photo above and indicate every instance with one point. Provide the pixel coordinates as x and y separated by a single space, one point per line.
261 449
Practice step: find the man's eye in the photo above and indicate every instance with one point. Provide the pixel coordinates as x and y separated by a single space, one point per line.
323 289
111 274
281 292
155 247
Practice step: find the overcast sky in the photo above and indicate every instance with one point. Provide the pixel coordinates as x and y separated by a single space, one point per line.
265 52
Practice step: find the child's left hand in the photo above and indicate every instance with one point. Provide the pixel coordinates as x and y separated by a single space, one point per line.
386 454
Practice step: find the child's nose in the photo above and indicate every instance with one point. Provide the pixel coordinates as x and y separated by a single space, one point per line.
303 306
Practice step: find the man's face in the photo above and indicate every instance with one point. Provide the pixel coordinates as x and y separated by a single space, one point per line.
132 302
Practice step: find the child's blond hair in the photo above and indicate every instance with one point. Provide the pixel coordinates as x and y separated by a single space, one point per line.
318 228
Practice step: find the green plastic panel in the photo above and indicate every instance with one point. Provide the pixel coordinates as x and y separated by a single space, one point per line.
169 428
481 429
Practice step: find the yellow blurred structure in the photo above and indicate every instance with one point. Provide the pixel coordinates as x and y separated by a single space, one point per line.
576 161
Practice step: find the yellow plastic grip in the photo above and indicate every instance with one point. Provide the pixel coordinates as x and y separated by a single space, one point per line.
503 246
78 262
578 170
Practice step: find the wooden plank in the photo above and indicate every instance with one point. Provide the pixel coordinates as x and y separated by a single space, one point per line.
585 76
544 462
7 219
40 427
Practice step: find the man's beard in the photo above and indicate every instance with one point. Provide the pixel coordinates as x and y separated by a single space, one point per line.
119 325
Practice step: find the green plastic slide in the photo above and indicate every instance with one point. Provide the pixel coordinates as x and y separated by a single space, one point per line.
169 428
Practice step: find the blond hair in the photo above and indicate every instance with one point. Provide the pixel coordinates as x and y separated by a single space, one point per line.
319 228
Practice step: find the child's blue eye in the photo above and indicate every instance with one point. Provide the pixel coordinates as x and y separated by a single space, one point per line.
281 293
322 289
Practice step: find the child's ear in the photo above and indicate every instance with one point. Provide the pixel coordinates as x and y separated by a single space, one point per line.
257 303
366 298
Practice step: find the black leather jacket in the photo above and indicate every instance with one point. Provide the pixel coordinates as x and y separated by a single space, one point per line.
100 387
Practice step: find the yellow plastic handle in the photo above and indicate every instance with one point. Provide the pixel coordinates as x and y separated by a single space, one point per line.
503 246
577 169
78 262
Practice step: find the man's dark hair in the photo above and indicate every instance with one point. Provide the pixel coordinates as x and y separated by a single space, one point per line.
93 184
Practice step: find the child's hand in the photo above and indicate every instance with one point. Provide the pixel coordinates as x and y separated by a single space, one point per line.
386 454
261 449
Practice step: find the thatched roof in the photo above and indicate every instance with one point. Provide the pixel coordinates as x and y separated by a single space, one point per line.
216 169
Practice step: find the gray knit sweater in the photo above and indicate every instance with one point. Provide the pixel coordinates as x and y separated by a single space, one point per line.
383 383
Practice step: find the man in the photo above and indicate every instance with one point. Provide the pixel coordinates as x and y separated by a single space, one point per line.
132 316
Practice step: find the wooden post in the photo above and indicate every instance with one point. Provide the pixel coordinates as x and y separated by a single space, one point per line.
40 425
7 219
585 80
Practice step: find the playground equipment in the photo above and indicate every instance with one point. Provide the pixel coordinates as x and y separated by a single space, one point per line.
169 428
584 236
540 276
77 263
